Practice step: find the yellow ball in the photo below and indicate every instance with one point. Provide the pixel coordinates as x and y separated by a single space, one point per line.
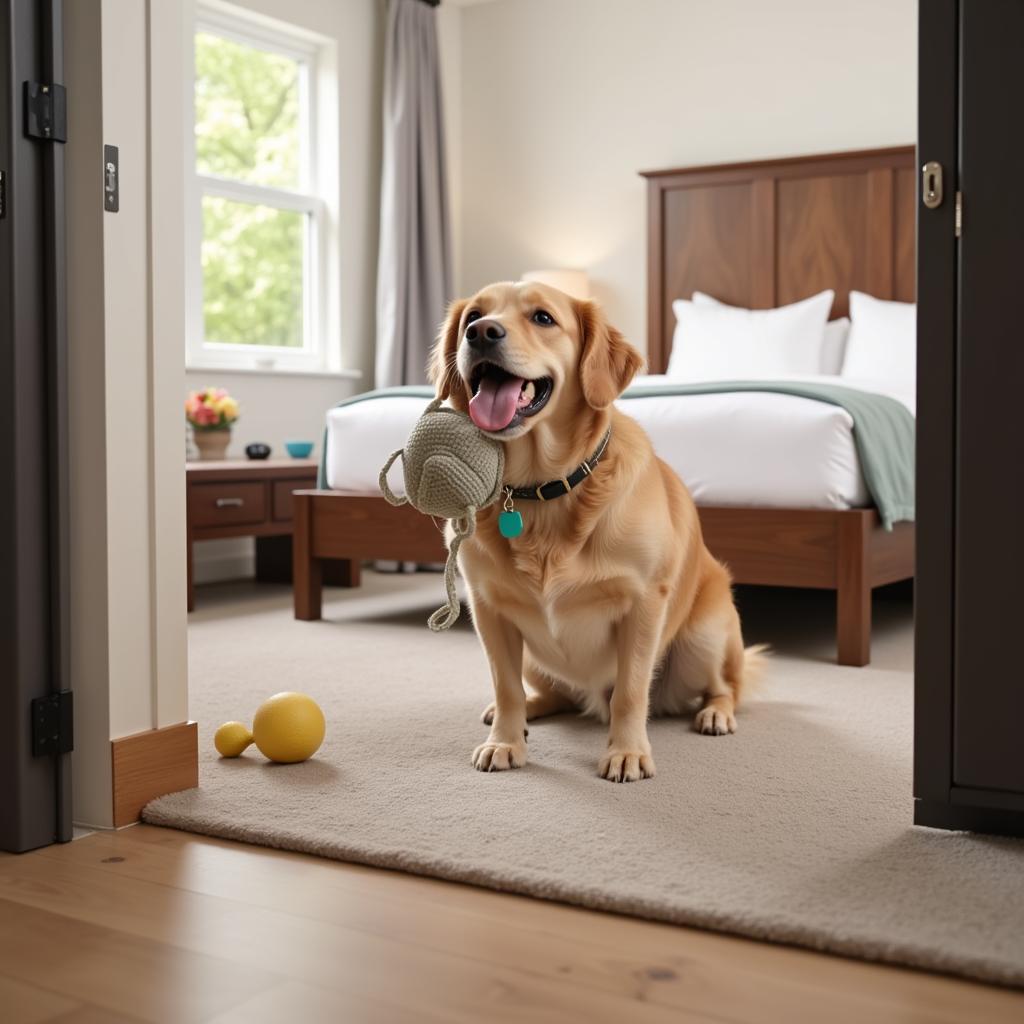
231 739
288 727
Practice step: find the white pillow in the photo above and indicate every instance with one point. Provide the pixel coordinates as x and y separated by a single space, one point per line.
833 347
715 342
882 344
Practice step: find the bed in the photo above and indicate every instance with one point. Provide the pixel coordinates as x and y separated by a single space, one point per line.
794 511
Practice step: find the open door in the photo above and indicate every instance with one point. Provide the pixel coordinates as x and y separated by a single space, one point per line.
968 752
35 698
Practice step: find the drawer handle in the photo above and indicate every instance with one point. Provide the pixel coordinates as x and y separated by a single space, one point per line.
230 502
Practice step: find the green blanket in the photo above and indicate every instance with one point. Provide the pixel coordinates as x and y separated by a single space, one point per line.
883 430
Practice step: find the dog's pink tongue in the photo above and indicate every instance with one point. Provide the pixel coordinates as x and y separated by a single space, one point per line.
494 405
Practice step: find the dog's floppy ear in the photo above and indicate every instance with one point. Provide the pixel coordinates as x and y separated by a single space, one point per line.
608 362
441 370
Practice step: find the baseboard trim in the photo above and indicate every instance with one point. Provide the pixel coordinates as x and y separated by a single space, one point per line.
151 764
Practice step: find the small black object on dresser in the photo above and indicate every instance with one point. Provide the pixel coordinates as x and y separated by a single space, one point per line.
257 450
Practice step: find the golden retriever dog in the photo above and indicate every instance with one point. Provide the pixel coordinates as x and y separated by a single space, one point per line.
608 601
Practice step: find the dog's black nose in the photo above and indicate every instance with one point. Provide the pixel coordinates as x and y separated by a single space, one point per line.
484 334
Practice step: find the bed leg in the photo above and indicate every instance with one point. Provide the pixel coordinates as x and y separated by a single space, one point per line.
853 589
307 571
343 572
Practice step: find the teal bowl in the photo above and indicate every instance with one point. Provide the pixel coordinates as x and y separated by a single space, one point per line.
299 449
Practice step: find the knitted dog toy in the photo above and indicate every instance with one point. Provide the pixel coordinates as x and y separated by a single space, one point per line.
452 470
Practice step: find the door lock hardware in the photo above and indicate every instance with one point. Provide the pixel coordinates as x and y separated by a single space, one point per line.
931 184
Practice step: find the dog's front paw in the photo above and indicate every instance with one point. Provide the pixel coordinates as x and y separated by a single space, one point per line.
626 766
487 718
493 756
712 721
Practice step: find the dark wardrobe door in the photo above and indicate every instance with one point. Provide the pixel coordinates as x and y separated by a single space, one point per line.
968 674
988 736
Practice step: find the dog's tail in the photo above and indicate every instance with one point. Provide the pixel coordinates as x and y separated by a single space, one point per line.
755 661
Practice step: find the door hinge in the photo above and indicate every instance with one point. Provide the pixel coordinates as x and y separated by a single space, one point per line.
53 724
958 215
46 111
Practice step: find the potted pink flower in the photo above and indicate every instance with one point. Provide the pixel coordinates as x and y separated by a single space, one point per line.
211 413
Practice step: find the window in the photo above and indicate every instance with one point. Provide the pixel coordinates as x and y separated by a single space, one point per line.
257 234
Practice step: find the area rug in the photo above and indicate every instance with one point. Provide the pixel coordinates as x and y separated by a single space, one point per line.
796 830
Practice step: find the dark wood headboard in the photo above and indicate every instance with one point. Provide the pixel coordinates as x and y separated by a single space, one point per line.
772 232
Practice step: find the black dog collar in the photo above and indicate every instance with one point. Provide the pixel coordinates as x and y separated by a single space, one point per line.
556 488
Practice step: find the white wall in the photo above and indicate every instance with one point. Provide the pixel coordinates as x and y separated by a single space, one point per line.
275 408
125 319
562 102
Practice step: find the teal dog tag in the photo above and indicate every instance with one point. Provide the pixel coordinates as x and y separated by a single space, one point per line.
510 524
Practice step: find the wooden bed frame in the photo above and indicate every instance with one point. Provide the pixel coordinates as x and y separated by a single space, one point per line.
756 235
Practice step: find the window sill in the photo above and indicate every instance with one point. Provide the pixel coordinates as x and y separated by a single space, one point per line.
272 371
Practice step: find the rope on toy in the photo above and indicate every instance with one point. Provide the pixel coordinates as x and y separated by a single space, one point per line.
385 487
447 615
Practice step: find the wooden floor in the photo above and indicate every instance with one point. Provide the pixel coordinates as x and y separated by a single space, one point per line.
155 925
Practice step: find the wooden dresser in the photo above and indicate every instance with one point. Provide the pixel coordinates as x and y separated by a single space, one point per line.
251 498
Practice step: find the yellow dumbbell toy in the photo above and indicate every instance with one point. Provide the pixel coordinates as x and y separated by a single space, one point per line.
287 728
231 739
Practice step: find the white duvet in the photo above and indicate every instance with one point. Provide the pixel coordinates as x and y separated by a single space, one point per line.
740 448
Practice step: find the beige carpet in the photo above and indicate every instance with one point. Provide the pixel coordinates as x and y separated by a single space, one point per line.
796 829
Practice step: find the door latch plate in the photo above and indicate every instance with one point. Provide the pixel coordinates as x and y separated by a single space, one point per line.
931 184
111 179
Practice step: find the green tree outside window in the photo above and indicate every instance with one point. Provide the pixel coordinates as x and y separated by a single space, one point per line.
248 130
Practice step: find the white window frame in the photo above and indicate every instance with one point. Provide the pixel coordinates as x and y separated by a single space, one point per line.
232 23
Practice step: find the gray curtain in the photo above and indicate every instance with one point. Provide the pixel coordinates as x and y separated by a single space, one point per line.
414 268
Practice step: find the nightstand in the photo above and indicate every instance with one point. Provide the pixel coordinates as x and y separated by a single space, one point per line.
253 498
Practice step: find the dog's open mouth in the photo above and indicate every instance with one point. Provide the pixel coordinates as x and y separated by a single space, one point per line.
501 400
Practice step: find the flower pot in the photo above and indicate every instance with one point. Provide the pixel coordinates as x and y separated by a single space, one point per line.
212 444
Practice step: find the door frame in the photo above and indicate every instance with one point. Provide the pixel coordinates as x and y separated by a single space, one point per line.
35 708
